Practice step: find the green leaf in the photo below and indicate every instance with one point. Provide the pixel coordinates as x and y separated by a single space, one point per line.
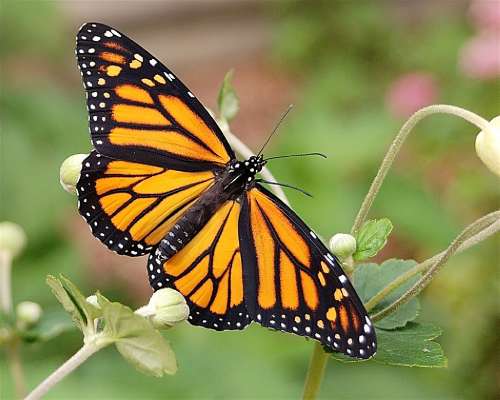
370 278
66 301
136 339
227 100
82 312
371 238
50 326
412 346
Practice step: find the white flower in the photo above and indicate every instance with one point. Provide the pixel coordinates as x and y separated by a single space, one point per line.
488 146
12 238
167 307
343 245
69 173
28 313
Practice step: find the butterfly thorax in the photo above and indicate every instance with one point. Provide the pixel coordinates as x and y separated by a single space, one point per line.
230 184
240 175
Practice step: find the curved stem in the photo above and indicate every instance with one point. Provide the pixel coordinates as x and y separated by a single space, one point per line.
396 145
425 265
69 366
442 258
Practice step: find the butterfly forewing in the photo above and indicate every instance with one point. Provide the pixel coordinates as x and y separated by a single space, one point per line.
139 111
130 206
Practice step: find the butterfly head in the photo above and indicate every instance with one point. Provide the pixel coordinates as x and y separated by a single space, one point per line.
242 173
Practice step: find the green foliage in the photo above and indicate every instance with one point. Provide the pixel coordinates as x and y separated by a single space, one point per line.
411 346
51 325
227 100
371 238
81 311
400 340
134 336
369 279
135 339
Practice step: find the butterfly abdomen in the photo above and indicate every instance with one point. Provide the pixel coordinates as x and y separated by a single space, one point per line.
193 220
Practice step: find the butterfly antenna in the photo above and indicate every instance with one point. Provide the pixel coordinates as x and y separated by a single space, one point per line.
296 155
284 185
275 129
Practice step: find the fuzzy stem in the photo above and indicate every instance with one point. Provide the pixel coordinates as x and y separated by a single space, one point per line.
319 357
5 281
396 145
16 368
472 230
425 265
60 373
12 348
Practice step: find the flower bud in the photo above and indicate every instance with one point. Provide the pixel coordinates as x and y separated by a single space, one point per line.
93 300
69 173
12 238
28 313
167 307
343 245
488 146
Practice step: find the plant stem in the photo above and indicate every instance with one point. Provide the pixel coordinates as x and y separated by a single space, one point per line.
425 265
16 368
69 366
5 281
319 357
396 145
315 373
442 258
12 348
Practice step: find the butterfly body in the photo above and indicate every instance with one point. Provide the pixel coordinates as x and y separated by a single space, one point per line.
230 184
163 181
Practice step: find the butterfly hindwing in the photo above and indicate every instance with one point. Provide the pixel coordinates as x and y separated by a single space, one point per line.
208 271
130 206
299 286
139 111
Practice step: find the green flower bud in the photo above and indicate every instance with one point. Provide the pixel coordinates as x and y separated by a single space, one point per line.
166 308
488 146
343 245
12 238
28 313
69 173
93 300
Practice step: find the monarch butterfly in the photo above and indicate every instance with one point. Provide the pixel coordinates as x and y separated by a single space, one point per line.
163 180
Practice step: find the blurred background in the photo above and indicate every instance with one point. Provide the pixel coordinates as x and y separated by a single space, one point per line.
355 72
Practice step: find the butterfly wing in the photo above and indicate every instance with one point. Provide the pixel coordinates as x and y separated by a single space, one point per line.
139 111
297 285
208 271
130 206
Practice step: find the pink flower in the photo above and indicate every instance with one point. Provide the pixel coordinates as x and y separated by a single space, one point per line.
480 56
411 92
485 14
